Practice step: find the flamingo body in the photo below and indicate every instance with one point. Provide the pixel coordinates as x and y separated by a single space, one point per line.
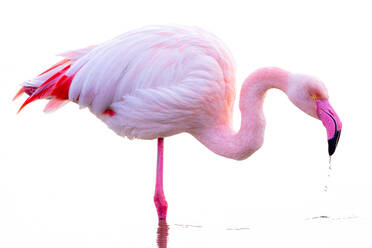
153 82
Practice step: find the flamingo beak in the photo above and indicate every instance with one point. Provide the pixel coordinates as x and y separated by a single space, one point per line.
332 123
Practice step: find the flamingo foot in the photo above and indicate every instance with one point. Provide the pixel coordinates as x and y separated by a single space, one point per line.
161 206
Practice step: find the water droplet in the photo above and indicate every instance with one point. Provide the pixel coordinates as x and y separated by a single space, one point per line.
325 189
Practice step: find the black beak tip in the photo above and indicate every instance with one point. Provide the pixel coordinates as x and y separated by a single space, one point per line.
332 143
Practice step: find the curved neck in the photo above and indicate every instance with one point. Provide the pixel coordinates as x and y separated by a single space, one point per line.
223 140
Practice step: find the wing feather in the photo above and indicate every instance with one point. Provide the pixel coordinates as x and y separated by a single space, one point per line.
156 80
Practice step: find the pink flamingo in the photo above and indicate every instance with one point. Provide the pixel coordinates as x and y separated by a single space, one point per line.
159 81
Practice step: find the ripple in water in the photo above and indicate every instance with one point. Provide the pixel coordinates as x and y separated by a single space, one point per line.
188 226
333 218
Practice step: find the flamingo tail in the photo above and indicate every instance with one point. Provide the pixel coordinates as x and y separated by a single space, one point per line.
54 87
54 83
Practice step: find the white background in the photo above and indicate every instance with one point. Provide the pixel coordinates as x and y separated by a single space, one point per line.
66 180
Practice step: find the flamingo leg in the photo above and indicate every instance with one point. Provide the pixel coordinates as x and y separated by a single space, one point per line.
159 197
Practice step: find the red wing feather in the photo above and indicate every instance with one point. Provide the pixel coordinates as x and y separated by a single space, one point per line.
57 86
19 93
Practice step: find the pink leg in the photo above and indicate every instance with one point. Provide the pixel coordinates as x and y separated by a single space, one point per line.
159 198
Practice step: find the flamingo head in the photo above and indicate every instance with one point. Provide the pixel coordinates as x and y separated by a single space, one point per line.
311 96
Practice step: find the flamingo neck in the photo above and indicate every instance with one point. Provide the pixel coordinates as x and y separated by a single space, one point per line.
223 140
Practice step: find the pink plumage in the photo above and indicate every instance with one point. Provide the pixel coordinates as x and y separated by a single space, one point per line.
159 81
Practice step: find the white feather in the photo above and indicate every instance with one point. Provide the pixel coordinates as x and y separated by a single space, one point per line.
158 80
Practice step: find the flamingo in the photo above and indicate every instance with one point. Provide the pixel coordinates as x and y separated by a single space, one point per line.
159 81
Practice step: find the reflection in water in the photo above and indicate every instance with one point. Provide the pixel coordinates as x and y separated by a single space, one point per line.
162 238
163 231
